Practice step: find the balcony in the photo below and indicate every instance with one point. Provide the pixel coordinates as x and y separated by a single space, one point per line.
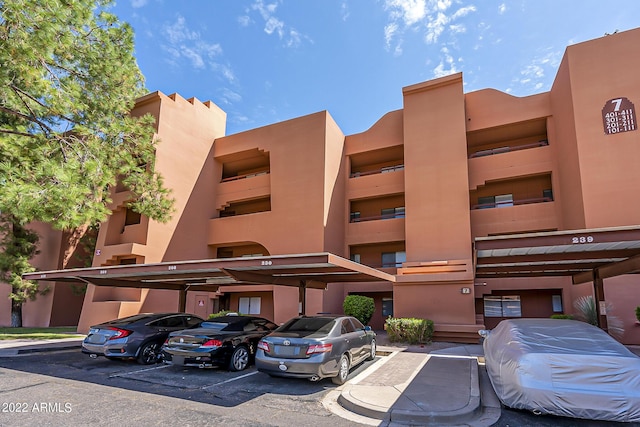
375 231
508 149
388 256
243 187
528 215
374 185
508 203
534 160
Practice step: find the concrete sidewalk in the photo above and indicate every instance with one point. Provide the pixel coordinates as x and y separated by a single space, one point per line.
437 384
12 348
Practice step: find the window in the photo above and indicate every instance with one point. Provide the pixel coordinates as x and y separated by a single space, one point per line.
387 307
502 306
393 213
501 201
347 327
354 217
355 258
547 194
556 302
169 322
504 200
131 217
393 259
249 305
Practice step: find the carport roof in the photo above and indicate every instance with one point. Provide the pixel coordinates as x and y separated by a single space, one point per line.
307 270
607 252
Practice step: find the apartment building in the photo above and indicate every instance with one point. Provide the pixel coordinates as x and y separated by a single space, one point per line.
464 208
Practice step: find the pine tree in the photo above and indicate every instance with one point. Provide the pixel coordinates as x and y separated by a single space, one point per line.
68 80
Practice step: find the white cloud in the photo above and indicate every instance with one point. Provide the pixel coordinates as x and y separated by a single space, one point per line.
138 3
433 16
344 10
390 31
533 76
229 96
446 66
502 8
273 25
185 45
244 20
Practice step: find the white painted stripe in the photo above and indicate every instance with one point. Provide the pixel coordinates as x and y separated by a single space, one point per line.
229 380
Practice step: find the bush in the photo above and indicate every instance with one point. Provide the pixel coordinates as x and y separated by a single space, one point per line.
411 330
360 307
223 313
562 316
638 313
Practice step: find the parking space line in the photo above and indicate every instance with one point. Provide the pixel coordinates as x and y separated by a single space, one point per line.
229 380
138 371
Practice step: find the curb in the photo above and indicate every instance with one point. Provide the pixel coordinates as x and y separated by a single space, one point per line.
41 347
376 410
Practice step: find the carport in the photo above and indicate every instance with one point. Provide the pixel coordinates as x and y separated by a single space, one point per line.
589 255
303 271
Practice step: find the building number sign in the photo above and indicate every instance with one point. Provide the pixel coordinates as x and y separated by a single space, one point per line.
619 115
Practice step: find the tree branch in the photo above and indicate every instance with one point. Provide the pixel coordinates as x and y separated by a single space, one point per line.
17 133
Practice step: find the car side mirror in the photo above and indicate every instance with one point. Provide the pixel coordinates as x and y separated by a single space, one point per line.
367 328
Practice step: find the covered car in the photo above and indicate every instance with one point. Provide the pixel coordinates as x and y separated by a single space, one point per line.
563 367
316 347
229 341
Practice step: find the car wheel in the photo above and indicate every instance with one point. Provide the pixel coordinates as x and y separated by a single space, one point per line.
343 364
148 353
372 353
239 359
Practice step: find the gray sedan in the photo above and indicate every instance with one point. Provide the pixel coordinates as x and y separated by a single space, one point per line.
316 347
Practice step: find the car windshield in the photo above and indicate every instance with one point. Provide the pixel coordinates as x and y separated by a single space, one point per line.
309 324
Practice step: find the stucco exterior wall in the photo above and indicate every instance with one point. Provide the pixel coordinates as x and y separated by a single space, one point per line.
413 188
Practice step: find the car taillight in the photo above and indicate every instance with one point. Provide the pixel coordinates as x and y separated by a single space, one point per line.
319 348
120 333
212 343
263 345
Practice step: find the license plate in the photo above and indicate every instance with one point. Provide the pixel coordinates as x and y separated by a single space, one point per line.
177 360
284 350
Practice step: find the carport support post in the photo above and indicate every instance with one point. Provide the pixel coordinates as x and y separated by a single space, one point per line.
598 287
302 287
182 299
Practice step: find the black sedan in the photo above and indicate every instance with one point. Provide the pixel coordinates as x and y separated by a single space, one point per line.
316 347
228 341
137 337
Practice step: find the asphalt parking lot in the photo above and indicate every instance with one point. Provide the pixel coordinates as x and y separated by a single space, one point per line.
71 386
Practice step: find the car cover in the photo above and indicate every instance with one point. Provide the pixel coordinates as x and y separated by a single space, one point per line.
563 367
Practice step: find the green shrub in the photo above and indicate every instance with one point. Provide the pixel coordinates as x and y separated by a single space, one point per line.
410 330
360 307
562 316
638 313
223 313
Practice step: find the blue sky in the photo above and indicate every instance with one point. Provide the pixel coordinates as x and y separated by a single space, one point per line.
265 61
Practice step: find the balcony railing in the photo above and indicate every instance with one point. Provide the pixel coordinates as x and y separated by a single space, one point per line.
244 176
377 171
376 217
512 203
508 149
